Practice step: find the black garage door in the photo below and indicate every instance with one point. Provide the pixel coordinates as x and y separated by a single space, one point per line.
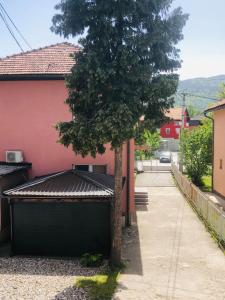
60 229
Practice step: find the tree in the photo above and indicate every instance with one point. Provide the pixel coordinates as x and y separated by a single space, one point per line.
124 71
196 147
221 93
150 139
192 110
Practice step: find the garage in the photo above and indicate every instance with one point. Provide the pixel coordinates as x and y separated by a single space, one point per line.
11 175
64 214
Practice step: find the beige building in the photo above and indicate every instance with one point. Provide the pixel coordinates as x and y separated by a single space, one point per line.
218 111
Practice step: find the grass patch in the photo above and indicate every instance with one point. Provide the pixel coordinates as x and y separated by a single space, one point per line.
99 287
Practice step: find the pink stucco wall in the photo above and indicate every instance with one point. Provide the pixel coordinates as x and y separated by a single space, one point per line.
29 110
219 152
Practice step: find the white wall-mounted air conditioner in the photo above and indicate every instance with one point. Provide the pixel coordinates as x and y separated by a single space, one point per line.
14 156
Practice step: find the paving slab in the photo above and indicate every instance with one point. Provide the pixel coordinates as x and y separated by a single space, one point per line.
169 253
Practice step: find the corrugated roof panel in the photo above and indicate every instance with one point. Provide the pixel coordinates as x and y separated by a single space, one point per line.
75 184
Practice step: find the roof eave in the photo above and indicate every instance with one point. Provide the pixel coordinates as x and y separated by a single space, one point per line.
19 77
28 198
215 108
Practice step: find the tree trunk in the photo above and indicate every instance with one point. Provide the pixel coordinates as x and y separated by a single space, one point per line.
117 211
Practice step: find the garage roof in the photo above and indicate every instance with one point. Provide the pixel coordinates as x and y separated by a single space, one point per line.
72 184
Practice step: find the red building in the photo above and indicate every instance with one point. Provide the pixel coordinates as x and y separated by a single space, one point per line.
172 129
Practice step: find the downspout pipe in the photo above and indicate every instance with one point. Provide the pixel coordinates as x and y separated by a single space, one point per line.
213 124
127 217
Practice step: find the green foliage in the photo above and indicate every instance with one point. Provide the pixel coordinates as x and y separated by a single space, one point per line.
91 260
100 287
206 183
192 110
152 140
221 93
196 147
124 71
139 155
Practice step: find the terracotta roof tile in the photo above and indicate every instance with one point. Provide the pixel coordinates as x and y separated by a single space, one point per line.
174 113
54 59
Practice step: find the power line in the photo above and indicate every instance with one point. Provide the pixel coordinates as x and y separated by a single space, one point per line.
9 29
19 32
198 96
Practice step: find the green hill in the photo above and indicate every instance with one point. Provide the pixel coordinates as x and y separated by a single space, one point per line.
207 87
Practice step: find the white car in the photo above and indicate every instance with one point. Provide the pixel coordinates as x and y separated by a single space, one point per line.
165 157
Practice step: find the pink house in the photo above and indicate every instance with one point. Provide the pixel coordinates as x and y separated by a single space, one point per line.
218 117
32 96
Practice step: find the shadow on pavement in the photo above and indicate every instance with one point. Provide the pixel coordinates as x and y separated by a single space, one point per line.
131 249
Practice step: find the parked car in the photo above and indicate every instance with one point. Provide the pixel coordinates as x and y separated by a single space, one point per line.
165 157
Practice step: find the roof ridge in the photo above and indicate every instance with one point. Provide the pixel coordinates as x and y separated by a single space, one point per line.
38 49
34 182
98 184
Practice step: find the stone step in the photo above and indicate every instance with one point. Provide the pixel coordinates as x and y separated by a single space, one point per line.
141 196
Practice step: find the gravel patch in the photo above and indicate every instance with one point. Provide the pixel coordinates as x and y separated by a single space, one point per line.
24 278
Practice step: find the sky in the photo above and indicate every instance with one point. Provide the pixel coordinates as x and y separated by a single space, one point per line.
202 50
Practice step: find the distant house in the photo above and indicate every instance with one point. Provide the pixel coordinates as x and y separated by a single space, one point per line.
32 102
171 130
218 111
196 121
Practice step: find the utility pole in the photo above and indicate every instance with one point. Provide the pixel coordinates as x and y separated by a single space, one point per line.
181 159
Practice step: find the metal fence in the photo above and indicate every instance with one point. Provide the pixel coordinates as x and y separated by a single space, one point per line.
212 213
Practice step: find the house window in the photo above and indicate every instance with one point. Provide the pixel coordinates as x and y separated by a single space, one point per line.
177 123
82 167
167 131
221 164
100 169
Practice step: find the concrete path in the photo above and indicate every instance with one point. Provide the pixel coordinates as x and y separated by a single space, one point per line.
169 252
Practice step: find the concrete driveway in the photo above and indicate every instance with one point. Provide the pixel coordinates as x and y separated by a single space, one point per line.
155 179
169 253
